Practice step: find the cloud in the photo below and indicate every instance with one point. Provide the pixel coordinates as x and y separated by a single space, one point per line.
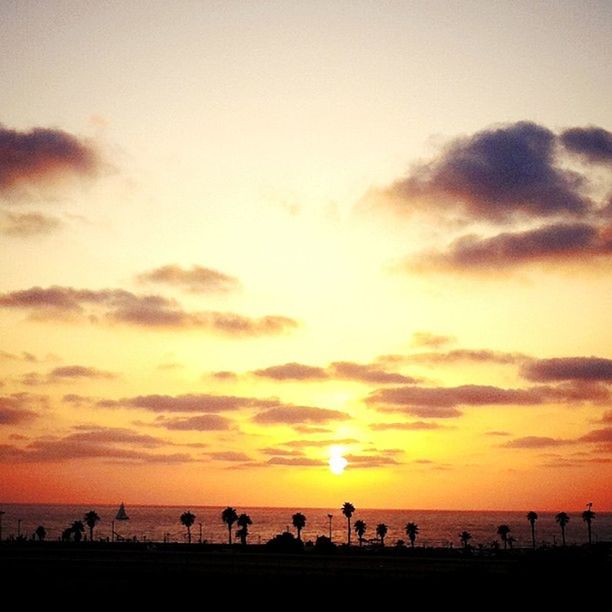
410 399
149 311
569 368
281 452
598 435
414 426
229 456
225 375
41 156
427 339
606 417
17 408
497 433
535 442
290 415
204 422
296 461
367 373
500 174
320 443
556 242
197 279
462 355
77 371
190 402
592 143
25 225
292 371
115 444
340 370
370 461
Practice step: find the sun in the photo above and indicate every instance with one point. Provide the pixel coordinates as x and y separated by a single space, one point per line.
337 462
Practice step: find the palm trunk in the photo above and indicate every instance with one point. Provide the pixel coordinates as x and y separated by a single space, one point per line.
348 518
299 530
91 534
589 529
189 535
505 544
412 542
533 535
563 534
229 531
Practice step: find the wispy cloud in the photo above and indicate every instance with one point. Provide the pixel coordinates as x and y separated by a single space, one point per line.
412 426
292 415
196 279
25 225
148 311
430 340
292 371
204 422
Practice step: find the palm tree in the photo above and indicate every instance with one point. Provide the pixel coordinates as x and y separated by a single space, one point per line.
77 529
532 517
187 519
41 533
91 519
299 522
412 529
465 537
563 519
587 517
347 510
381 532
360 529
502 532
244 520
229 516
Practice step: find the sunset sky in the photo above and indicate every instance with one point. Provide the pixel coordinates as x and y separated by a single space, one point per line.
240 238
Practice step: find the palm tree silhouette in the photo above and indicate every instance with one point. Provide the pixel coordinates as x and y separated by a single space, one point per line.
347 510
244 520
381 532
299 522
465 537
502 532
91 519
77 529
412 529
229 516
563 519
532 517
187 519
360 529
587 517
41 533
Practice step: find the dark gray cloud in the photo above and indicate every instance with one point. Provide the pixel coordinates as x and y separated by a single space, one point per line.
592 143
78 371
569 368
19 408
460 355
40 156
149 311
196 279
296 415
25 225
498 174
556 242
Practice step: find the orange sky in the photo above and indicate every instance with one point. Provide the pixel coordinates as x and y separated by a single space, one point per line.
237 240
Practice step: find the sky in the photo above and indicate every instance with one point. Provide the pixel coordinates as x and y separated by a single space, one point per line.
240 239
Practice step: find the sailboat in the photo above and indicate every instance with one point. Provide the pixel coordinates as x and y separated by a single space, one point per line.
120 516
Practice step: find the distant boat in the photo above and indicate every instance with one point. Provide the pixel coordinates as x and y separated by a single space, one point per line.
121 513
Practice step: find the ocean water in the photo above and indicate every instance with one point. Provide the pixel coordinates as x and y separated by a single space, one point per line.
436 527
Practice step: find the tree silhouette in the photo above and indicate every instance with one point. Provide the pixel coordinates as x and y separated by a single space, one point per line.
412 530
229 516
563 519
347 510
187 519
587 517
502 532
465 537
532 517
91 520
360 529
299 522
243 521
381 532
41 533
77 530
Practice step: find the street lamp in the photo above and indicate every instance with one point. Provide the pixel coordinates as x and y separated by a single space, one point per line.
330 516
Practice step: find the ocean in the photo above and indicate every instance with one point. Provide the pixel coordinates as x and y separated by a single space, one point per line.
436 527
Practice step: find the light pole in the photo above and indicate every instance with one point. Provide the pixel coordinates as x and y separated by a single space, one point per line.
1 514
18 528
330 516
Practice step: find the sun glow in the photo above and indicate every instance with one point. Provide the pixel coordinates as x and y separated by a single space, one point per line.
337 462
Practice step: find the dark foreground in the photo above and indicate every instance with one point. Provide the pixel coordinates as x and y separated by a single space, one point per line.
66 571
